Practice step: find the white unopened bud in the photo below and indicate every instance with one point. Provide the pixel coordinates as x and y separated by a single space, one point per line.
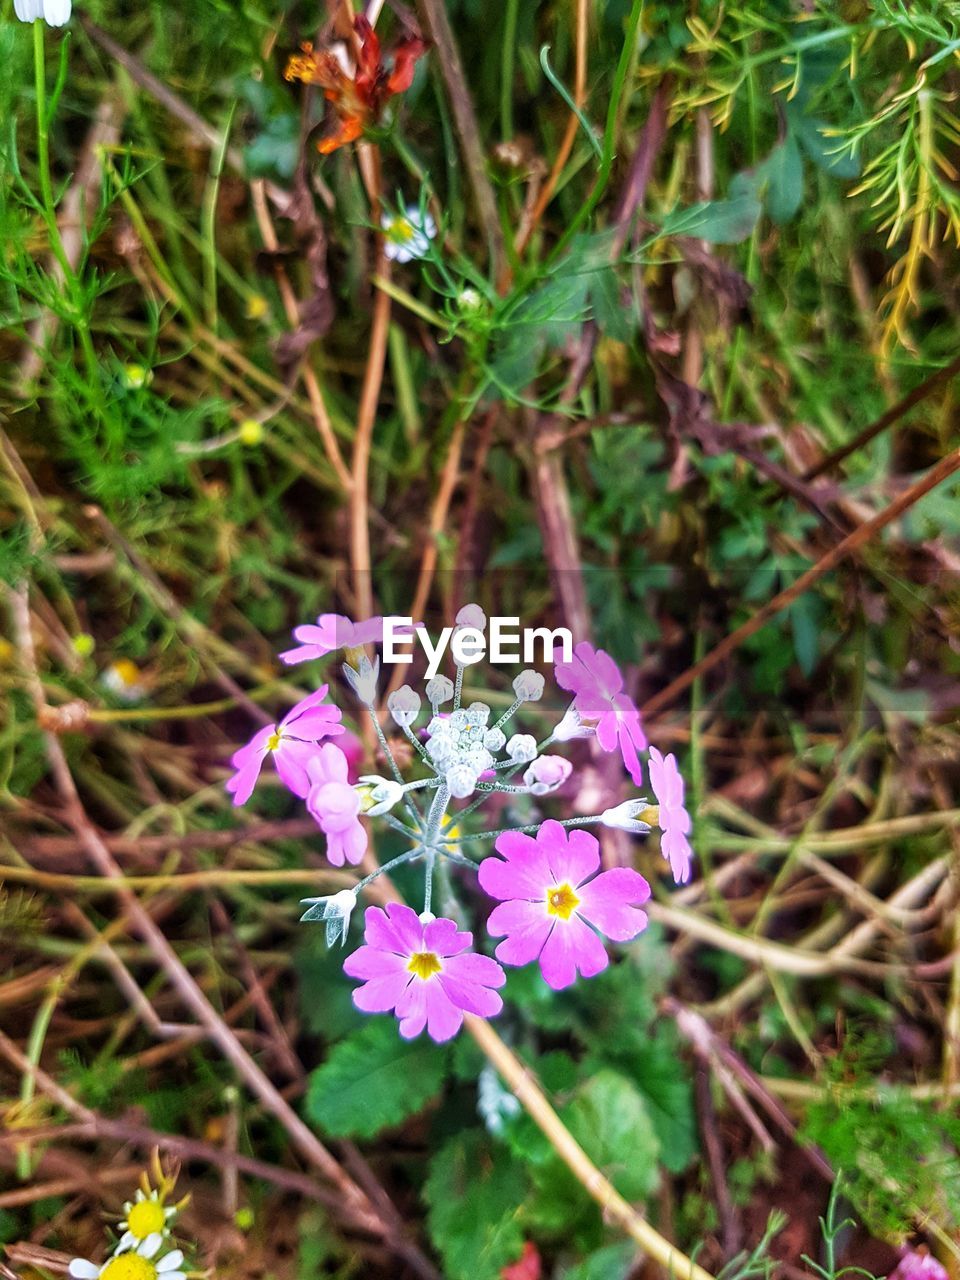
522 747
334 911
626 816
439 691
461 780
378 795
363 679
404 705
471 615
494 739
528 686
571 726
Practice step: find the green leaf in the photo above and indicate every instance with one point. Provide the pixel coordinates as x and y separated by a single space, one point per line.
475 1192
610 1120
615 1262
374 1079
805 622
782 174
826 153
718 221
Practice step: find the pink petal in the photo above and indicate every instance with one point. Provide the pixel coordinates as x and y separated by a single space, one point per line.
470 996
628 753
369 962
443 937
397 929
444 1019
369 631
525 874
412 1010
606 672
526 927
675 846
382 994
475 968
571 946
608 729
354 843
573 856
606 903
290 760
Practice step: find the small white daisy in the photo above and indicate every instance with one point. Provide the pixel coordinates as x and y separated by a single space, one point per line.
147 1219
55 13
408 236
136 1265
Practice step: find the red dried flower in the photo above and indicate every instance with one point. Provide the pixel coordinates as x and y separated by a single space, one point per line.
358 100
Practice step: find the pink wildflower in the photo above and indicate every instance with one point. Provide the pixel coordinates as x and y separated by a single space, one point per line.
914 1265
422 970
550 895
332 631
292 742
336 806
674 820
597 685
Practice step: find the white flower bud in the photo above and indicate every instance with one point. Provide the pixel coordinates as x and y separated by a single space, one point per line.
522 747
363 679
471 615
571 726
335 911
378 795
439 691
404 705
624 816
528 686
494 739
461 780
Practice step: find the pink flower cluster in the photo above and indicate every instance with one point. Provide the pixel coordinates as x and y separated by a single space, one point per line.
555 906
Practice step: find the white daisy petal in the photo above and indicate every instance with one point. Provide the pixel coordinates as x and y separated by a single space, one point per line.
150 1246
80 1269
171 1260
127 1241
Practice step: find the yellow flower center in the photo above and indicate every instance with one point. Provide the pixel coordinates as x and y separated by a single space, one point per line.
402 231
145 1218
562 901
127 672
129 1266
274 741
424 964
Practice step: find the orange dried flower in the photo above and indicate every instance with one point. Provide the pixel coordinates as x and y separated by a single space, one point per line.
358 100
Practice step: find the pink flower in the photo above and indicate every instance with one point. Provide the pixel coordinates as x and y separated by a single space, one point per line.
914 1265
292 742
332 631
336 806
550 895
352 748
674 820
546 773
422 970
597 685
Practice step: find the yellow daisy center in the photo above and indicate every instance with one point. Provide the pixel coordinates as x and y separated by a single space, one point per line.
145 1218
424 964
274 741
562 901
402 231
129 1266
